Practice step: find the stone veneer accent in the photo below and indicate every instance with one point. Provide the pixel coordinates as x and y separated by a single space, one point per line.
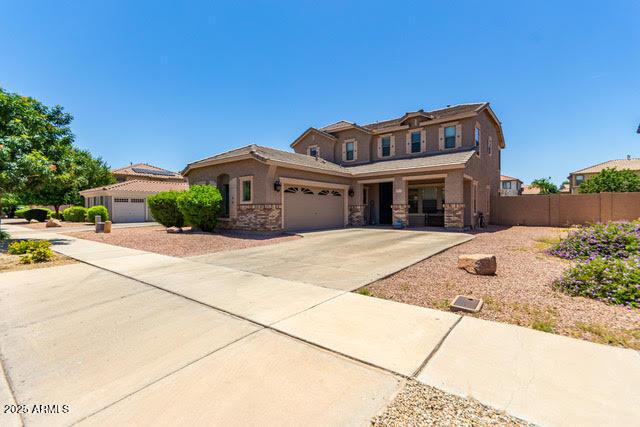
454 215
254 217
356 215
400 212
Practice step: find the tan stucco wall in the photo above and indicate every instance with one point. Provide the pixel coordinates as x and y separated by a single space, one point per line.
326 145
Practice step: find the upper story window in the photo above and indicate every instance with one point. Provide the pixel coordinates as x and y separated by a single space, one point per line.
450 137
477 139
506 185
314 151
350 151
579 179
416 141
386 146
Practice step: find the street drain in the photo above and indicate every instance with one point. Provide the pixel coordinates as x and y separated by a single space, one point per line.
468 304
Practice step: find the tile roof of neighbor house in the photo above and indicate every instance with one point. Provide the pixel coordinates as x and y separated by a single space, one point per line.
527 189
135 170
302 160
508 178
434 114
141 186
633 164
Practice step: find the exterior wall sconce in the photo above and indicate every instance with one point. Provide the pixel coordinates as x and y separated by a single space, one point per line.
277 185
351 192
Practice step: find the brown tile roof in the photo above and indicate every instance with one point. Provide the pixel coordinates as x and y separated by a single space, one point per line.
141 186
333 127
302 160
446 159
130 171
508 178
633 164
441 113
527 189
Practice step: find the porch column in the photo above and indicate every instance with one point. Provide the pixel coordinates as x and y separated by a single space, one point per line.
400 206
356 206
454 200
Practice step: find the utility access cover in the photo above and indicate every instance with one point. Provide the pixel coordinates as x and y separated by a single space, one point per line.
468 304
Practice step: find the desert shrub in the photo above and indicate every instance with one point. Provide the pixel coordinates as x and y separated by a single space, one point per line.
611 180
612 280
615 239
164 208
4 235
97 210
39 214
200 206
74 214
20 212
32 250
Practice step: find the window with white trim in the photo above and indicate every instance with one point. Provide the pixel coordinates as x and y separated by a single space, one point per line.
246 189
450 137
313 151
477 139
416 141
350 148
579 179
385 146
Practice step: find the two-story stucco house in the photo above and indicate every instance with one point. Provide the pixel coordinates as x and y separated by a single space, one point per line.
436 168
578 177
510 186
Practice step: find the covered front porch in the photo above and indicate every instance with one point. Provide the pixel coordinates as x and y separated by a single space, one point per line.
433 200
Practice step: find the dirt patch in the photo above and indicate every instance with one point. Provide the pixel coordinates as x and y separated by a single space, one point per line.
10 262
188 243
519 293
42 225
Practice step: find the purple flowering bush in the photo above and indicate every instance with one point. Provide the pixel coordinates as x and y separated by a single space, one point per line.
612 240
612 280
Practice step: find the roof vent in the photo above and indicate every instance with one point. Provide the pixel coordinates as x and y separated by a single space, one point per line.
628 156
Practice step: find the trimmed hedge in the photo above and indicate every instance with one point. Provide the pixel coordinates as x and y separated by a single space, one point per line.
200 206
20 212
164 208
39 214
75 214
97 210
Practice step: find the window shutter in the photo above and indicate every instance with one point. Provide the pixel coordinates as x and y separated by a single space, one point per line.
408 143
423 140
458 135
380 147
393 145
441 138
344 151
355 150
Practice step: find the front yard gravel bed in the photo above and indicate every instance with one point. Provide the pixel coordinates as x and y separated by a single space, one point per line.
188 243
418 404
521 292
10 262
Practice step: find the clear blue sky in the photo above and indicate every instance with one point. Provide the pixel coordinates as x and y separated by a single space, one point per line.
168 84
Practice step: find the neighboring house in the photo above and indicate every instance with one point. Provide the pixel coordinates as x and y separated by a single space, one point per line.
576 178
424 168
510 186
529 190
126 200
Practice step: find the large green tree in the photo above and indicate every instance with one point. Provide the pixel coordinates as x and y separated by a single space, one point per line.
34 140
545 185
611 180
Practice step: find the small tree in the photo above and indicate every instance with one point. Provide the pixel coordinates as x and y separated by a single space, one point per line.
164 208
545 185
200 206
611 180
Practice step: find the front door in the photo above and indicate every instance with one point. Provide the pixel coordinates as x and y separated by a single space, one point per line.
386 200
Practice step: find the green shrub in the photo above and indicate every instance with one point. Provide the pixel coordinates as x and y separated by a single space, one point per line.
164 208
74 214
4 235
200 206
97 210
611 180
32 250
20 212
612 280
39 214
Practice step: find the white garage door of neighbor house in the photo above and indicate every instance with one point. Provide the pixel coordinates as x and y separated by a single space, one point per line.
307 208
128 209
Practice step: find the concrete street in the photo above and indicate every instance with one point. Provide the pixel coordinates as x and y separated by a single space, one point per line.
130 337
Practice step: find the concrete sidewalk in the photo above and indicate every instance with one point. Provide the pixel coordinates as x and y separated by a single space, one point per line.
543 378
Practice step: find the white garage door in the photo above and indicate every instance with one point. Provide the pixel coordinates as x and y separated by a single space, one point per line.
307 208
128 209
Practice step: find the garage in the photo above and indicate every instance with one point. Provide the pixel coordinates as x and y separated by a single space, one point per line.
129 209
309 208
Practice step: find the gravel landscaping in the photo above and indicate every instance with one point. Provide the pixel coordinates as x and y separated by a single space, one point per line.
521 292
42 225
10 262
188 243
421 405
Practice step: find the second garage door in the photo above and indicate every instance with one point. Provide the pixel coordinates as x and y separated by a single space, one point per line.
308 208
128 210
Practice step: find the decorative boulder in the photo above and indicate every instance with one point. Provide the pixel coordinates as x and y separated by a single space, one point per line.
174 230
33 221
483 264
53 223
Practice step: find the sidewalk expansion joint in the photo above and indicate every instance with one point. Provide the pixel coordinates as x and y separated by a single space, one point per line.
436 348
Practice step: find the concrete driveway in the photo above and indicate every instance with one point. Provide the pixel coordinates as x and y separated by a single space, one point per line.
339 259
